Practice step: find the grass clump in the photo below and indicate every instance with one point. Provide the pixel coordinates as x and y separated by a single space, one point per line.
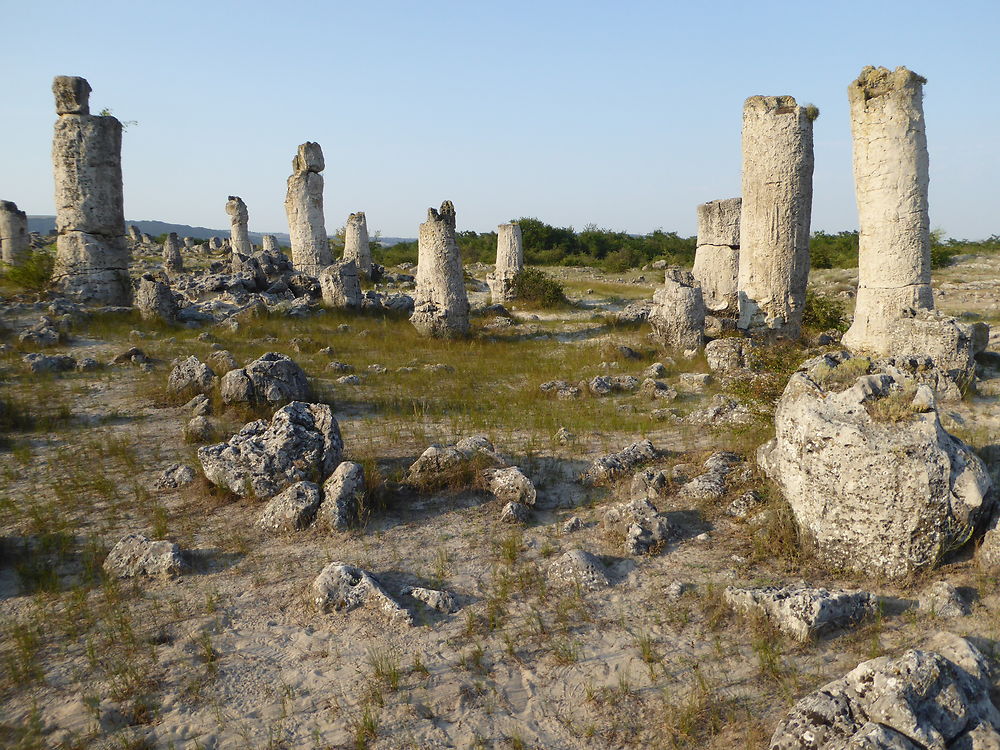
894 408
537 288
839 377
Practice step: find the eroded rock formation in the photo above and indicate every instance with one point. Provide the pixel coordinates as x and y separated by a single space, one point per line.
441 306
717 257
510 261
304 206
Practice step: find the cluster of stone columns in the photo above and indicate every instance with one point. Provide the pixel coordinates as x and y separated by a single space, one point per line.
304 206
441 306
775 214
91 250
510 261
14 240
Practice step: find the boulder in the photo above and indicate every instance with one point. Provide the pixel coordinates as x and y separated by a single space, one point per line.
938 697
441 601
726 355
155 301
874 484
273 379
340 285
514 512
136 555
677 316
942 599
610 467
189 377
342 492
644 529
510 485
579 568
300 443
345 587
291 509
175 475
802 611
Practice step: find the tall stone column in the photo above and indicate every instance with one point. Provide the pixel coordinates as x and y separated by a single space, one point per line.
441 306
775 214
356 246
510 261
890 183
172 259
91 250
14 240
239 217
304 206
717 256
269 244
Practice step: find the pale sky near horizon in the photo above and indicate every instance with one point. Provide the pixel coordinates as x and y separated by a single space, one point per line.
625 115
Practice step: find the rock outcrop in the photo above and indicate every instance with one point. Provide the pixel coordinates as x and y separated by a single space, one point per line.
92 252
872 478
300 443
154 300
356 245
802 611
340 285
775 214
936 697
678 313
345 587
15 243
274 378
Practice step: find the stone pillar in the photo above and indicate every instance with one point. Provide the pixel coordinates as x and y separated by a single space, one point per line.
188 243
304 206
134 234
890 183
775 214
172 260
356 242
441 306
717 257
91 250
269 243
146 239
214 244
238 219
14 240
677 316
510 261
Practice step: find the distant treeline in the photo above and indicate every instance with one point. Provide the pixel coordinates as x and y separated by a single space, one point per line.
546 245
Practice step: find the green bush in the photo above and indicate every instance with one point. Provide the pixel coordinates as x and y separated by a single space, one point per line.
533 286
35 273
823 313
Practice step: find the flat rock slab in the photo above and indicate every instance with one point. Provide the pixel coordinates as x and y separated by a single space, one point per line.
136 555
801 611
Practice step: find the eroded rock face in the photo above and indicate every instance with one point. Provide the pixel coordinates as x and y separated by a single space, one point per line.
891 175
301 443
356 245
510 261
441 306
91 248
239 236
136 555
345 587
775 214
885 497
938 697
717 257
803 611
304 206
15 243
340 285
678 313
273 378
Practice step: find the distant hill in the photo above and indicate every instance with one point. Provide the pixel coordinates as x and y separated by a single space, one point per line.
47 225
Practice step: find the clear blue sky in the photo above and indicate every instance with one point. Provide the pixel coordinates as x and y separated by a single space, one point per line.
621 114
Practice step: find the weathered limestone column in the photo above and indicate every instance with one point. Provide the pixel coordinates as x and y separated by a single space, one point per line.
14 240
441 306
891 175
304 206
214 244
717 257
134 234
340 286
510 261
91 250
678 313
172 260
239 217
269 244
775 214
188 243
356 246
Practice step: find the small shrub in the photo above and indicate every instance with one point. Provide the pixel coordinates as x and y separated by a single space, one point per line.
35 273
535 287
896 407
823 313
842 375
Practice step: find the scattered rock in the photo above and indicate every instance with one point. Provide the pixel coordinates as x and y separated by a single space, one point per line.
613 465
136 555
514 512
510 485
344 587
273 379
645 530
39 363
943 600
190 376
578 567
801 611
441 601
342 495
292 509
175 475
